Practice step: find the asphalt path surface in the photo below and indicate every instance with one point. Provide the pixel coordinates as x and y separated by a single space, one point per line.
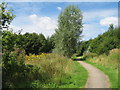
96 78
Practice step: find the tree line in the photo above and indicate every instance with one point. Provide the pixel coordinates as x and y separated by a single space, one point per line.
31 42
63 41
102 43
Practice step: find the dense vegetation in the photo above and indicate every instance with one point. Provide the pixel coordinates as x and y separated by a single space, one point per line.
57 71
28 61
42 71
31 42
69 30
101 44
32 61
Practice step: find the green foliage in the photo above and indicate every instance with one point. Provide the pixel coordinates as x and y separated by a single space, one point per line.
30 42
105 42
50 43
111 27
110 60
8 40
101 44
34 43
14 70
6 16
58 71
82 47
74 56
90 55
69 30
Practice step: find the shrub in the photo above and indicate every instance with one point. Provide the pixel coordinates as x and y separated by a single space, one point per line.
89 55
74 56
14 71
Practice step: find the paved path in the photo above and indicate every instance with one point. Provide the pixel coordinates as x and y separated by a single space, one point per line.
96 78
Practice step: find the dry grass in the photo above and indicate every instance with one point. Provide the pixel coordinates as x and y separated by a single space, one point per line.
52 66
110 60
58 71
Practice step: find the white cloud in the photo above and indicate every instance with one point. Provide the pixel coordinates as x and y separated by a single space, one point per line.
38 24
93 22
92 30
89 15
59 8
109 20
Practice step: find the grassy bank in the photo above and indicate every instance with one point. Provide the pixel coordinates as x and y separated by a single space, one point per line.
57 71
111 72
78 77
108 64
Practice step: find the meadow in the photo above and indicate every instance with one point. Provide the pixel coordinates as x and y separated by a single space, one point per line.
57 71
46 70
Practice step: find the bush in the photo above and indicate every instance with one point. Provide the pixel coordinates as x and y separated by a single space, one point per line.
89 55
14 71
74 56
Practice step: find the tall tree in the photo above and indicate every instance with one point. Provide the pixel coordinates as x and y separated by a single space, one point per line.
6 15
69 30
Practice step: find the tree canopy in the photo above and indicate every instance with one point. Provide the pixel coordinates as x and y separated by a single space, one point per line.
103 43
68 31
6 15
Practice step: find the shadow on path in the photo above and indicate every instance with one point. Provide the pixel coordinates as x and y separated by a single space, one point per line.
78 59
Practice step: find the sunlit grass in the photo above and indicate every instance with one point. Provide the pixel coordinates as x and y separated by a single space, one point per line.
108 64
58 71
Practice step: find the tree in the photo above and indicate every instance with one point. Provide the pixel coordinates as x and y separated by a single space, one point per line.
8 40
111 27
50 44
6 16
34 43
106 41
69 30
82 47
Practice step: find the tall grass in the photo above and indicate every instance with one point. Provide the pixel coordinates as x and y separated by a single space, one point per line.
57 71
111 60
41 71
52 65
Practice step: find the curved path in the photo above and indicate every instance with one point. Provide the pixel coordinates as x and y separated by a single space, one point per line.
96 78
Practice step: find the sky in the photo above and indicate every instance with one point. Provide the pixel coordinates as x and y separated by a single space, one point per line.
41 17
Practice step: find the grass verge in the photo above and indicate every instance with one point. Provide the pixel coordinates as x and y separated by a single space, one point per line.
78 78
111 72
108 63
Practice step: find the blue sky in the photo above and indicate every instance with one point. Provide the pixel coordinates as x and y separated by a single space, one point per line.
41 17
